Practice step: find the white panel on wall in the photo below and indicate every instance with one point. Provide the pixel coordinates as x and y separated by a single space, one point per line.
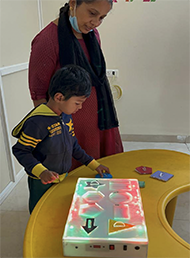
17 101
4 171
148 42
19 23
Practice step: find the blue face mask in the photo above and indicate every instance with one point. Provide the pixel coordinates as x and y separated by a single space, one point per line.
74 23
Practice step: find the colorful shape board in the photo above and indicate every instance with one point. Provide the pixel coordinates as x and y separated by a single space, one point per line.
106 219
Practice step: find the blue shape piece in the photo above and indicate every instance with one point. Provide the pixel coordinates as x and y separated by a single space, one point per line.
105 175
163 176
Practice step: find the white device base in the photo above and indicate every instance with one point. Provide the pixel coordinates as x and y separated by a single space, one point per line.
106 219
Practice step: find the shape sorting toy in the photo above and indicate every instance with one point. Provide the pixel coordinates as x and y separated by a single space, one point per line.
106 219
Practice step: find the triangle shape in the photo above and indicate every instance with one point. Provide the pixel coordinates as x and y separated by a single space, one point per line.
116 226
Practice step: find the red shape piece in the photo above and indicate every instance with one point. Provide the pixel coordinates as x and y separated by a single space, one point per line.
143 170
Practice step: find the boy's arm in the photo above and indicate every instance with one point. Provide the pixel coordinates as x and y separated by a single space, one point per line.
30 137
80 155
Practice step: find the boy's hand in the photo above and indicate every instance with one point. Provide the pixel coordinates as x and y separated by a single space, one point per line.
102 169
48 176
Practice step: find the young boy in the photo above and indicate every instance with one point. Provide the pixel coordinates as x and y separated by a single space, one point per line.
46 139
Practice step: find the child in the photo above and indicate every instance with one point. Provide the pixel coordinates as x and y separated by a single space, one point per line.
46 139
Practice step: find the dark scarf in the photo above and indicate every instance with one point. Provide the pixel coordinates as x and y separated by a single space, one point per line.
70 52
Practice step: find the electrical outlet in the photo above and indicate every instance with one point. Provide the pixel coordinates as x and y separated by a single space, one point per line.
112 73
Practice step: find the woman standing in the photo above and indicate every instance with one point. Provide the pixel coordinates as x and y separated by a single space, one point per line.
74 39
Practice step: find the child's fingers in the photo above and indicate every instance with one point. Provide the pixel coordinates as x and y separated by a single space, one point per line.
56 175
50 178
44 182
101 173
106 170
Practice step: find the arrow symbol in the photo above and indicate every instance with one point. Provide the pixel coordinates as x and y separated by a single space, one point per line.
89 227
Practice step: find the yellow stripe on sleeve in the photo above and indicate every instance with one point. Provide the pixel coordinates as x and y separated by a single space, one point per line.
38 169
26 144
93 164
27 141
31 138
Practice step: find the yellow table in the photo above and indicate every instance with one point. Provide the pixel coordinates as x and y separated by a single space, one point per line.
43 237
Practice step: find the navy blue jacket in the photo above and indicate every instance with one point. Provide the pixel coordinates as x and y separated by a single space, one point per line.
47 141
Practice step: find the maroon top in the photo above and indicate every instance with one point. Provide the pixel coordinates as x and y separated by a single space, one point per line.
44 61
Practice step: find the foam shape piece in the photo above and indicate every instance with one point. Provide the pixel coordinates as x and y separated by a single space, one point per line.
143 170
105 175
163 176
141 184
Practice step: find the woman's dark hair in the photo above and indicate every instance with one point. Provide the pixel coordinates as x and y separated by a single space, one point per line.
79 2
70 80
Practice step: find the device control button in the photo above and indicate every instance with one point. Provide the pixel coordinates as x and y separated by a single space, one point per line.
125 247
112 247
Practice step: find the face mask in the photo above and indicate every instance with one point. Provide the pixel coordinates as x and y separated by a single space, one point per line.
74 23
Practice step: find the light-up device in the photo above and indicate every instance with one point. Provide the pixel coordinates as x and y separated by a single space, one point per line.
106 219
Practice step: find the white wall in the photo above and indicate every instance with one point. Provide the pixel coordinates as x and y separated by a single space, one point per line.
148 42
19 22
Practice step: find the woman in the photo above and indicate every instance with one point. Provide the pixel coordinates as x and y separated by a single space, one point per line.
74 39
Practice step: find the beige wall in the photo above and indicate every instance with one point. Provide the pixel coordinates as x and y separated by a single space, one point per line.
147 42
50 10
19 22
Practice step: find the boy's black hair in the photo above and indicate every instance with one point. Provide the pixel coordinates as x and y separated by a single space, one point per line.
71 80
